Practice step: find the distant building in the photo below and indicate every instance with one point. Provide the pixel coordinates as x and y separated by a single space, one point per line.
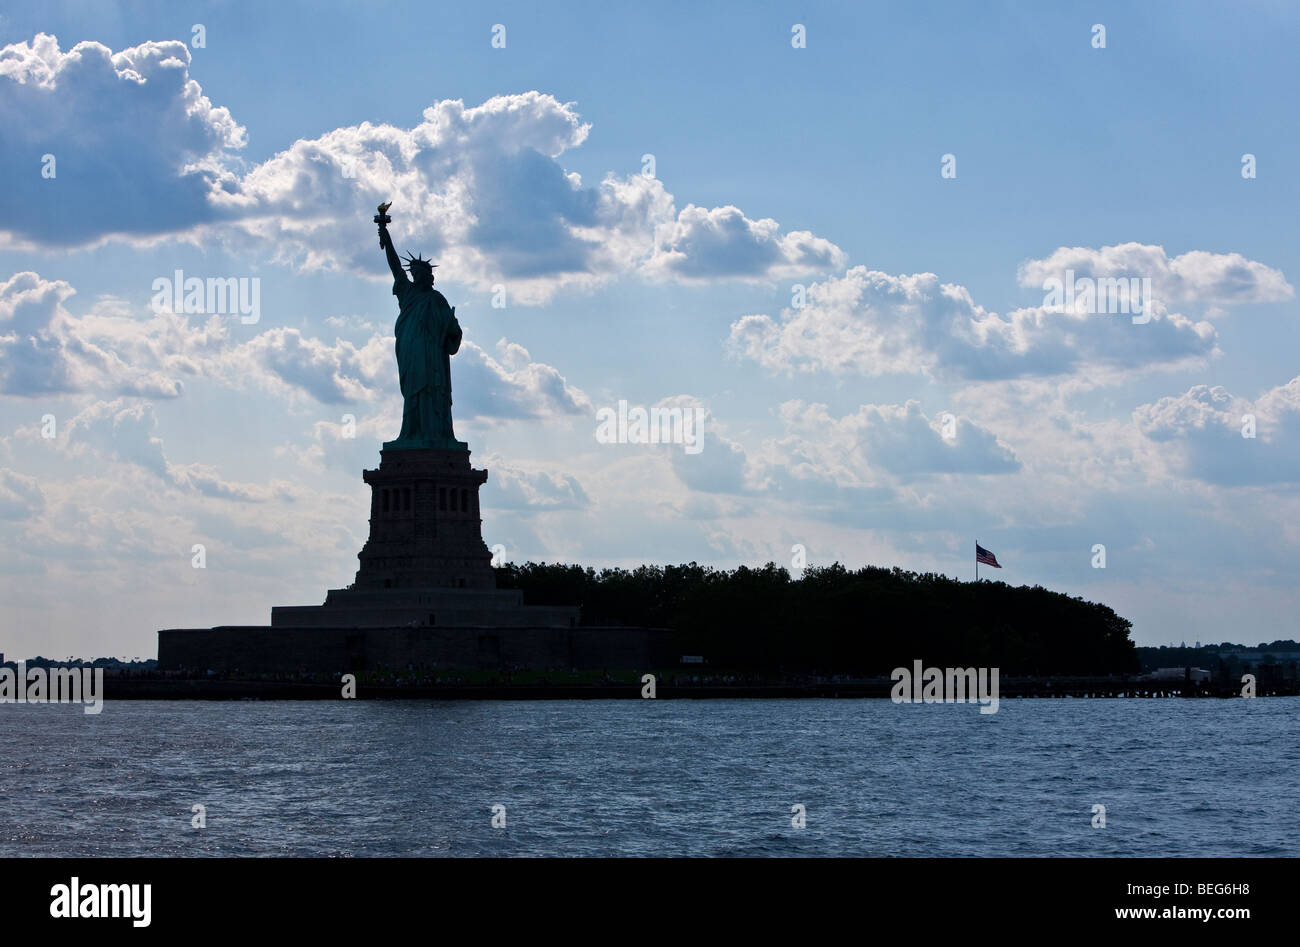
1179 674
1259 657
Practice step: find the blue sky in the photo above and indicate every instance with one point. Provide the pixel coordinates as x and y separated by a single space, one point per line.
262 153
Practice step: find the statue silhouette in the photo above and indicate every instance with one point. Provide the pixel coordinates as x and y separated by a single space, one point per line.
427 336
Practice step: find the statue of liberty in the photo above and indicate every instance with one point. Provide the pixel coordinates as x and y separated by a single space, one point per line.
427 336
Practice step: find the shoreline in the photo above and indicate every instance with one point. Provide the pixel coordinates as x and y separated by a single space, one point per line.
1059 688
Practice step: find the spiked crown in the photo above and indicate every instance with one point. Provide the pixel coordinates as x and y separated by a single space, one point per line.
419 262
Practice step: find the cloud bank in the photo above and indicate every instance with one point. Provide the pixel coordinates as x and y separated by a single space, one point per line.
481 188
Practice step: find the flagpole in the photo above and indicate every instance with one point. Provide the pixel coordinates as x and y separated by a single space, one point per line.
977 560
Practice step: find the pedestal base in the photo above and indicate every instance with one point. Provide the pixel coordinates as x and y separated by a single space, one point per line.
425 596
425 529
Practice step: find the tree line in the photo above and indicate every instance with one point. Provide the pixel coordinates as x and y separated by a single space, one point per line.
834 620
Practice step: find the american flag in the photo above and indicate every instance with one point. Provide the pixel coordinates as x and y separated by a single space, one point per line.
986 557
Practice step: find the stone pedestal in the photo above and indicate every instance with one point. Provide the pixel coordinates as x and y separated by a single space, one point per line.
425 564
425 529
425 597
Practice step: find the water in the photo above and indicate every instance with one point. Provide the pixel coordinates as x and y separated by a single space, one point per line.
641 777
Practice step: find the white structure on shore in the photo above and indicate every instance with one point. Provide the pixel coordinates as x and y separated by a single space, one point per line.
1178 674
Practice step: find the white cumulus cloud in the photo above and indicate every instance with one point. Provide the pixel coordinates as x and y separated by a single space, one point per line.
480 188
872 323
1197 276
1205 432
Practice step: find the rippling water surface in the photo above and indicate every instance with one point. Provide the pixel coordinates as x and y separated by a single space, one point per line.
642 777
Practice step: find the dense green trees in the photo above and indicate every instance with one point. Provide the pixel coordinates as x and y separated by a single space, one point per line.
834 620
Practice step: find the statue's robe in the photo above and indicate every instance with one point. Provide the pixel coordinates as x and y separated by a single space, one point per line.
427 336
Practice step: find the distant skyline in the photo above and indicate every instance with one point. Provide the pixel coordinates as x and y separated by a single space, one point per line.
835 255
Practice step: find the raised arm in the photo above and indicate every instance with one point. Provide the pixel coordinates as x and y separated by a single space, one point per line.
394 261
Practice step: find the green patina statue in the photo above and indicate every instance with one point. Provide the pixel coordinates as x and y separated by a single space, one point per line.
427 336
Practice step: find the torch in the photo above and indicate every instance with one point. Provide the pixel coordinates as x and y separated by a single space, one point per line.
382 219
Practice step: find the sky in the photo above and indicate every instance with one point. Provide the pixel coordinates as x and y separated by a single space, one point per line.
830 229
